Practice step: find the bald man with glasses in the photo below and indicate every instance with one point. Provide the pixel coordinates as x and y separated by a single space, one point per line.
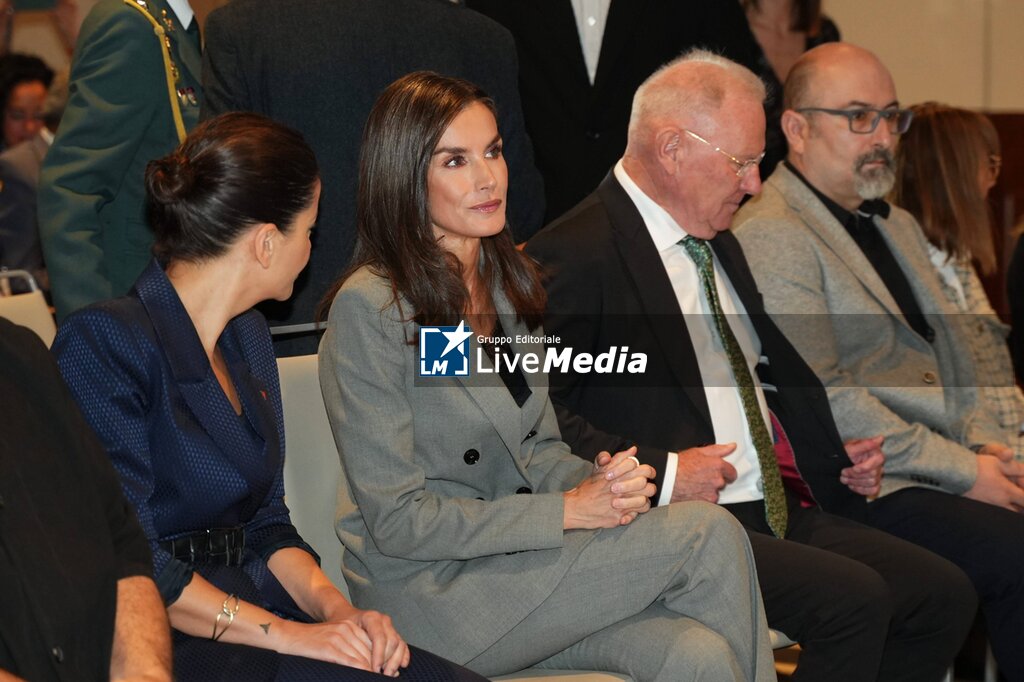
848 279
727 412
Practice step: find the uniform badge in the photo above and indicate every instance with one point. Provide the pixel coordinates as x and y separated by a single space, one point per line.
168 22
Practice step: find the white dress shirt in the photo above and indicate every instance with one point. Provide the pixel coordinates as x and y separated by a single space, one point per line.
183 11
724 402
591 16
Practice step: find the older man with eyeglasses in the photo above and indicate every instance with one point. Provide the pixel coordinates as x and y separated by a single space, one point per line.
847 278
727 411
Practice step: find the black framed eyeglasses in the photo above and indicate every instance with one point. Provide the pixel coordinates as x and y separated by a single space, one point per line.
863 121
742 167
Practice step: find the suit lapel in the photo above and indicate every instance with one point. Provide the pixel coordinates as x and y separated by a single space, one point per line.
820 221
255 397
654 291
191 371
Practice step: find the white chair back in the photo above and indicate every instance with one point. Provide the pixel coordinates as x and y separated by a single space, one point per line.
311 465
29 309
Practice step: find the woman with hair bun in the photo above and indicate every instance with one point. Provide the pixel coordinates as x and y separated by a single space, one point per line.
179 380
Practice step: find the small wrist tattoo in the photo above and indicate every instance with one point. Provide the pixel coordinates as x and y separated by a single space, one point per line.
266 628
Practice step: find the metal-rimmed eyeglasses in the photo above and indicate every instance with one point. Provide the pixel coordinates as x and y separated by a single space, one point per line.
864 120
742 167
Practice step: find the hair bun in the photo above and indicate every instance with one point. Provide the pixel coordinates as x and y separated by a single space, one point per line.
170 179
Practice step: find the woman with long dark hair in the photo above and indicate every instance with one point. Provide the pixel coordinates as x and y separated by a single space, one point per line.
179 380
947 162
463 514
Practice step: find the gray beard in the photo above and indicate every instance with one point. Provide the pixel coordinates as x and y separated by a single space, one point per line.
877 182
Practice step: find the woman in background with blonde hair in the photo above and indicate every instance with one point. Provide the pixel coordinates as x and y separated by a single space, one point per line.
947 163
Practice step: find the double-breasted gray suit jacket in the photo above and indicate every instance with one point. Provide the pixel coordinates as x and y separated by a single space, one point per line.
881 376
433 509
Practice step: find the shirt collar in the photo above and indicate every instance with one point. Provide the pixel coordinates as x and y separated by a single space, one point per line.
183 10
665 231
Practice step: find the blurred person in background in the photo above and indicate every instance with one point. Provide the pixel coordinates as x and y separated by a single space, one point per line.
947 162
318 66
24 80
134 94
20 248
783 30
580 61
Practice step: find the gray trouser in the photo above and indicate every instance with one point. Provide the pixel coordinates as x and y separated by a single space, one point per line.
671 597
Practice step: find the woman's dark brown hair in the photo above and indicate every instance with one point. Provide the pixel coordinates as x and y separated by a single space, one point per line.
938 165
806 14
232 172
395 234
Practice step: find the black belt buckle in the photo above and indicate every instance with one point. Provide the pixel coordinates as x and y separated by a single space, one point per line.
218 546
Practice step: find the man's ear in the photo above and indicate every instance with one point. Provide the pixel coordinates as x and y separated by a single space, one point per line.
796 128
668 143
261 242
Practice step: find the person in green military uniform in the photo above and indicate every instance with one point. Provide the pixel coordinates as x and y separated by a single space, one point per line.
134 94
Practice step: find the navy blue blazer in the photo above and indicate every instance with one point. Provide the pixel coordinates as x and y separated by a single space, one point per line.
187 462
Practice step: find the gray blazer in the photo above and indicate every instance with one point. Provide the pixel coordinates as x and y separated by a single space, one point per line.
881 377
440 537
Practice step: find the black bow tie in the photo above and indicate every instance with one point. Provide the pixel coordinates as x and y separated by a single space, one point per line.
874 207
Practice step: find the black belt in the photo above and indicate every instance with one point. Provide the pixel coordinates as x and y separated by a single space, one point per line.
221 546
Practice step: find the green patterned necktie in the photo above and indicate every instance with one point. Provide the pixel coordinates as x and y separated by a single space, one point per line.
774 495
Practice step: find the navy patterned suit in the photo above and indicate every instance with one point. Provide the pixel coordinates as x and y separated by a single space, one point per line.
188 463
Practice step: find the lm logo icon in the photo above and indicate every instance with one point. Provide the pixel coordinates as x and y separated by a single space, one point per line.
444 351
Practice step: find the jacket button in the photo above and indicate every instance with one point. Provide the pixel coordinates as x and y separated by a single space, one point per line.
471 456
593 135
524 491
58 654
530 435
929 377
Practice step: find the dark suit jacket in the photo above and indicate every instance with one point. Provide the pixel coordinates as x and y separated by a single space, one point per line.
67 534
319 65
578 129
118 118
187 461
607 286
